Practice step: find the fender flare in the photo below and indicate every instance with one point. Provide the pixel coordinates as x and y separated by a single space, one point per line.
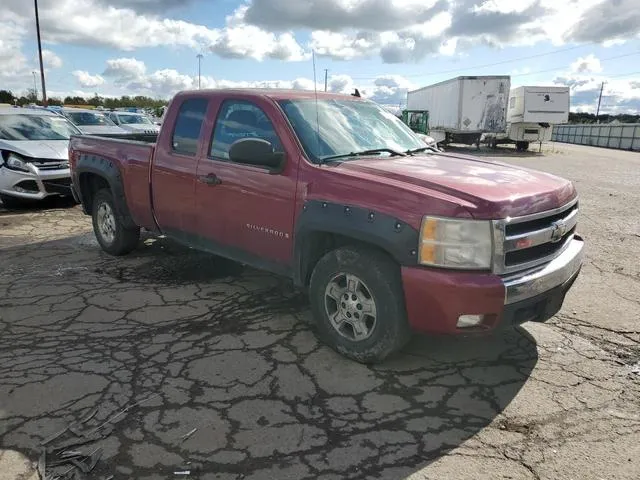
107 170
394 236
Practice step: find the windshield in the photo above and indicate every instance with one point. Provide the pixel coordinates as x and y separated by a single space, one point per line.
346 126
35 127
131 119
88 118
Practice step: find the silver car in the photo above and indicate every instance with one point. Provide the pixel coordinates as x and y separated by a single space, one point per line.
91 122
34 161
134 122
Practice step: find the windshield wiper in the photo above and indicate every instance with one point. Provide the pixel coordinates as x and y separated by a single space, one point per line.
392 152
420 149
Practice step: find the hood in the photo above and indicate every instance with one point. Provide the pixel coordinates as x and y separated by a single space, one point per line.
47 149
141 127
489 189
98 129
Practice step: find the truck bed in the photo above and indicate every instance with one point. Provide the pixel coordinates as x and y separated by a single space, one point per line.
131 154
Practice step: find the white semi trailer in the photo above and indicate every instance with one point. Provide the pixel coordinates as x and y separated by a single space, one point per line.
461 109
531 114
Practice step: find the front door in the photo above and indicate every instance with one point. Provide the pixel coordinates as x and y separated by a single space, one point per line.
257 205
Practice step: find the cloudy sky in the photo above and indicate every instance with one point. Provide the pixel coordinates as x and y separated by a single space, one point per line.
383 47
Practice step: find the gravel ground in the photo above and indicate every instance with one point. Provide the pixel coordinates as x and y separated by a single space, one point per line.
177 361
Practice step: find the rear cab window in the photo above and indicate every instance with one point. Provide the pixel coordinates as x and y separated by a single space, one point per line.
188 126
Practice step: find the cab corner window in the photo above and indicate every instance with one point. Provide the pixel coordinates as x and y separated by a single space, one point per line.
238 120
188 124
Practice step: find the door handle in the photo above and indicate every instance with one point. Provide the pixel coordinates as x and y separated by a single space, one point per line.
210 179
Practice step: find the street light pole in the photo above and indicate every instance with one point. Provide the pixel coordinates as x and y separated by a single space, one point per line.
44 88
199 59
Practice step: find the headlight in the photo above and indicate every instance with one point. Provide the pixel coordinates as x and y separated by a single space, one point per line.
15 162
455 243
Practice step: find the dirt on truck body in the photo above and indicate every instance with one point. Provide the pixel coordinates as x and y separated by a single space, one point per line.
389 236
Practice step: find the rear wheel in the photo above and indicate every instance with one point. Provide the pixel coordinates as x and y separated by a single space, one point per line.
112 235
522 146
358 303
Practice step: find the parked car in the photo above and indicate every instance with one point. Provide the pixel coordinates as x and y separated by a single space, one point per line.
91 122
388 235
34 155
133 122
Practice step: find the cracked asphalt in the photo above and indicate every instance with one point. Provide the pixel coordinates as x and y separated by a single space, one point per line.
169 360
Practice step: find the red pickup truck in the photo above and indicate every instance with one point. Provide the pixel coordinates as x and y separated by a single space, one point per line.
388 235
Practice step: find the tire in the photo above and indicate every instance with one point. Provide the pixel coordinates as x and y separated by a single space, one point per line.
15 203
522 146
112 235
494 143
379 284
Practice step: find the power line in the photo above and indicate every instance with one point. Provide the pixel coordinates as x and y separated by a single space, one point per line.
486 65
555 69
623 74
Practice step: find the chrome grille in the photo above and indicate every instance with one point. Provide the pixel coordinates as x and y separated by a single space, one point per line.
50 164
524 243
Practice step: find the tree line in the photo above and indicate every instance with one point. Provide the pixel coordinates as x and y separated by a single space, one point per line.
575 117
139 101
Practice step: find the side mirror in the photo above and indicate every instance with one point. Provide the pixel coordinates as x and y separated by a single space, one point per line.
255 151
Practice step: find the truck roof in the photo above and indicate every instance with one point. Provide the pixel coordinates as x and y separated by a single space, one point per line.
272 93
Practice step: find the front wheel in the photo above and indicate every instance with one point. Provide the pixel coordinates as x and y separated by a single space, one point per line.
358 304
112 235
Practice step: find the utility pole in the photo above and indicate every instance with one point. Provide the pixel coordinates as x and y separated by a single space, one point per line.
599 100
44 88
326 72
199 59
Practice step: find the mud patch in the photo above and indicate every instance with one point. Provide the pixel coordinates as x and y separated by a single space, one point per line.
192 267
239 310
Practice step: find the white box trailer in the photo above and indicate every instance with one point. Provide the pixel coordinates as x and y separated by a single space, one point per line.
531 114
463 108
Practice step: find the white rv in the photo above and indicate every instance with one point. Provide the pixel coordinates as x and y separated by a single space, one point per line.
531 114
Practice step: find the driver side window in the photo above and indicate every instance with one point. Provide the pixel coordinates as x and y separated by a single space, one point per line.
240 119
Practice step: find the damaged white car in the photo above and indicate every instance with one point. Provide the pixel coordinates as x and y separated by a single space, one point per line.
34 161
134 122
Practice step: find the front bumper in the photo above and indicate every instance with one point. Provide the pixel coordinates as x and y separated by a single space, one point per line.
435 299
35 184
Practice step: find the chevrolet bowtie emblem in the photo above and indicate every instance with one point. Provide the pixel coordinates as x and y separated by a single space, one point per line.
558 230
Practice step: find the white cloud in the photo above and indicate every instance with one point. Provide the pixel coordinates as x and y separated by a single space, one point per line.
588 64
619 95
86 80
12 61
50 59
123 69
97 23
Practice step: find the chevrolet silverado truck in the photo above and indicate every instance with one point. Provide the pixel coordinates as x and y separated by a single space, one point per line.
387 236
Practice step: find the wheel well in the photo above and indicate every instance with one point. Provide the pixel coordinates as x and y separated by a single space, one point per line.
315 245
90 183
